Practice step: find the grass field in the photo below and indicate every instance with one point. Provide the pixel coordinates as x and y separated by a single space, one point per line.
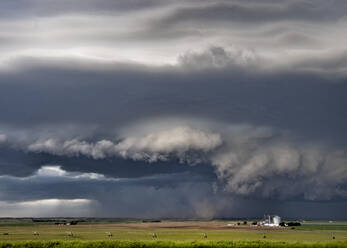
167 244
175 231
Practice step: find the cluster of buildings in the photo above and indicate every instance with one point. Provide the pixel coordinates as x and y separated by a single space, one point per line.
271 220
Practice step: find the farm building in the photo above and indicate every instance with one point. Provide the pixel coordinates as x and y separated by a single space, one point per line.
271 220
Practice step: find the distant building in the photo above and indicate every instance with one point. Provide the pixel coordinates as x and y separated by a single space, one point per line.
269 220
276 220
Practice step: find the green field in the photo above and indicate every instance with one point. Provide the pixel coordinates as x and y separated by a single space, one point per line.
308 233
167 244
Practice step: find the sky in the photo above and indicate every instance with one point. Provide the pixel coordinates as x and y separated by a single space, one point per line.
173 109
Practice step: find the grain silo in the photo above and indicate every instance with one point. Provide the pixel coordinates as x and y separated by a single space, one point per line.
276 220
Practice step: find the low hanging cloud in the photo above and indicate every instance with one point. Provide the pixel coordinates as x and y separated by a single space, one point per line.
281 169
248 160
74 147
177 142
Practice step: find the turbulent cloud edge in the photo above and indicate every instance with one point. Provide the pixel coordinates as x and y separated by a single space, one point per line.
331 63
152 147
248 160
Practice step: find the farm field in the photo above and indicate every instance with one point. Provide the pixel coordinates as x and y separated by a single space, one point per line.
186 231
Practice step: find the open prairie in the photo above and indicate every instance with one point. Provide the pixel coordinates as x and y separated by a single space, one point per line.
175 231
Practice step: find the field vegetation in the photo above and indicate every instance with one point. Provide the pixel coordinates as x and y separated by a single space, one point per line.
166 244
202 234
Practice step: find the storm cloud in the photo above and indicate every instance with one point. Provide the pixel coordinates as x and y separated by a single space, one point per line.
218 104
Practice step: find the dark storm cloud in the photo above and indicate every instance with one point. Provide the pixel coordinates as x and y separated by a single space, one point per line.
22 164
219 104
116 197
189 197
113 197
95 114
53 96
58 182
249 160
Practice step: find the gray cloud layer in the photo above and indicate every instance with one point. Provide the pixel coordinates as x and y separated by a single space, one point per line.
284 35
248 160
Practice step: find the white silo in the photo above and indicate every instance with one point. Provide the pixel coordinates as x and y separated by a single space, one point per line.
276 220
